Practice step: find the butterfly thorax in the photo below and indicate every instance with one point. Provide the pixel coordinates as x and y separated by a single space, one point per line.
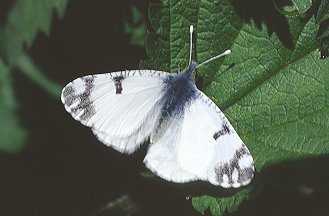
179 90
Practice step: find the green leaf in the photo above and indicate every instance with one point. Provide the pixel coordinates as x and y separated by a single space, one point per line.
147 174
218 206
136 28
322 18
32 71
24 21
277 98
12 136
298 6
323 11
202 203
157 43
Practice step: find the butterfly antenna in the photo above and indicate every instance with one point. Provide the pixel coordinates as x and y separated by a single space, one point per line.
191 33
227 52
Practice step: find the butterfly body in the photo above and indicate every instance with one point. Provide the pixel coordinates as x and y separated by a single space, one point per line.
179 90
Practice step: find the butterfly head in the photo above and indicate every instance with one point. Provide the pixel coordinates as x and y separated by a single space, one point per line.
191 68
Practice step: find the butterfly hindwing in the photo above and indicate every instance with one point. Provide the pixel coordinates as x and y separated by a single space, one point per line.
120 107
201 144
210 148
161 158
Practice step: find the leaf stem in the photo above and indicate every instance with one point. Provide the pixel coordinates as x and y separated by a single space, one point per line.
26 65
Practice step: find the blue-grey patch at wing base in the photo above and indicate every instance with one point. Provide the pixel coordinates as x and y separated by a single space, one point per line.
180 90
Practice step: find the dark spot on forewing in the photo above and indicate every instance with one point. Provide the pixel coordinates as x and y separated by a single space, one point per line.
118 84
228 168
225 130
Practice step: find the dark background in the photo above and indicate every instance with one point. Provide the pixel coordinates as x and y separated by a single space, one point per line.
65 170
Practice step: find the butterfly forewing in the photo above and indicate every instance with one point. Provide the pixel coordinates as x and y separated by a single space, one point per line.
121 107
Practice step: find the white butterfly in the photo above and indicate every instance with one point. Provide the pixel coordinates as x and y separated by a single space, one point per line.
190 138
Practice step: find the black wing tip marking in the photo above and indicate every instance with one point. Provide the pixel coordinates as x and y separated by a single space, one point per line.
85 105
244 174
68 95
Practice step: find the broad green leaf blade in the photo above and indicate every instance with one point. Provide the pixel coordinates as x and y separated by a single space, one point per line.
168 45
258 57
182 16
276 97
272 93
157 43
12 135
216 30
24 21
